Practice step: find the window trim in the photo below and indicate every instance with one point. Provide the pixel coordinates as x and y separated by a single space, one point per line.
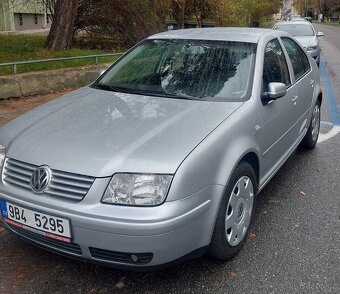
285 56
303 51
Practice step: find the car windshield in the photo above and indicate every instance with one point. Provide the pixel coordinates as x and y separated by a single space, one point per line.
296 29
184 69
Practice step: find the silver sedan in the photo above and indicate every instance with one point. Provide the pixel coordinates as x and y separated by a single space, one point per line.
303 31
162 158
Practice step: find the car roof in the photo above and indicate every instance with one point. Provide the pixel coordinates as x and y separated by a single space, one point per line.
250 35
295 22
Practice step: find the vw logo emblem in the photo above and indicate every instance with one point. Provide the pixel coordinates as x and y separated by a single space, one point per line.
40 179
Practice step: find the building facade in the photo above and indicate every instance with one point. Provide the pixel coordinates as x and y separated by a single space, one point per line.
19 15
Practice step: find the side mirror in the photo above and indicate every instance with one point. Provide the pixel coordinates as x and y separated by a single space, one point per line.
275 91
320 34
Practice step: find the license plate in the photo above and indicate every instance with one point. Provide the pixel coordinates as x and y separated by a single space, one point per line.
37 222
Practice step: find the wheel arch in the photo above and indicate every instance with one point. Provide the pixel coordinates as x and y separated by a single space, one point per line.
319 98
252 158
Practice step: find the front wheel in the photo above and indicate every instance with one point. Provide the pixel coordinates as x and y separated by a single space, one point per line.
312 135
235 213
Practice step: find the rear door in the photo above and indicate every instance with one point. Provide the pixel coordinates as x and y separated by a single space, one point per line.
304 78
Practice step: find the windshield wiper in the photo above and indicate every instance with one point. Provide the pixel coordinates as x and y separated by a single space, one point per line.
110 88
143 92
180 96
101 87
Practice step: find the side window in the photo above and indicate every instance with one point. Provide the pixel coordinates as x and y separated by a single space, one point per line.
297 57
275 68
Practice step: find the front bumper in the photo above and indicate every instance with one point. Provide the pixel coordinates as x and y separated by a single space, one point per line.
126 237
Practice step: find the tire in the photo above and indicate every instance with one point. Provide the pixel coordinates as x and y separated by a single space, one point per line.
235 214
310 139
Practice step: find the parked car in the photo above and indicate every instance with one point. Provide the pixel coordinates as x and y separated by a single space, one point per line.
305 34
295 17
162 158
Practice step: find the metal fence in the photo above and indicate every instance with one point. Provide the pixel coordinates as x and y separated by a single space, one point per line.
94 57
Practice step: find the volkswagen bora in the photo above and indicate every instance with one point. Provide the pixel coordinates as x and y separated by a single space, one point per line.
161 159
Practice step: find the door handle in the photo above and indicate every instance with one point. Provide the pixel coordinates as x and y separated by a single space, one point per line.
311 82
295 97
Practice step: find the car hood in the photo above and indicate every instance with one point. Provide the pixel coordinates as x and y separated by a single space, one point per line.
98 133
306 41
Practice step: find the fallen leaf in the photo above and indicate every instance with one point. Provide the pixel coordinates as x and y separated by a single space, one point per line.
252 235
265 212
296 225
302 193
233 275
1 230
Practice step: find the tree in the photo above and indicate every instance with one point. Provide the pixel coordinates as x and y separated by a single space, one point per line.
122 23
244 12
61 33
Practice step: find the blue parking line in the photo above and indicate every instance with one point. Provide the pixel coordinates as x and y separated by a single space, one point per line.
330 94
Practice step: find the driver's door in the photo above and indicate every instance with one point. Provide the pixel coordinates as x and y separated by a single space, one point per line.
279 117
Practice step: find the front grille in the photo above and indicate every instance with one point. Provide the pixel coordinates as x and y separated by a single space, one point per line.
122 257
65 185
70 248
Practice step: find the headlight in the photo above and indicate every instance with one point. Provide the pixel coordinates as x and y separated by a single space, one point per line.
137 189
312 47
2 156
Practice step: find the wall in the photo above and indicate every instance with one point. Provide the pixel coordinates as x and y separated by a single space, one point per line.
8 8
28 21
27 6
45 82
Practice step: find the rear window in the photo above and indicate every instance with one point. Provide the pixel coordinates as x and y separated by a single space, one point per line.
296 29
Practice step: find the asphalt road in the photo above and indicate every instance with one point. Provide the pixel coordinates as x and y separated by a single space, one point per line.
294 246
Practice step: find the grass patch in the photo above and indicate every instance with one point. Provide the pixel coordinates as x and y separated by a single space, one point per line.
27 47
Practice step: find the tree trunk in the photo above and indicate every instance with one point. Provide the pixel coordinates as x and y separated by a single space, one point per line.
62 29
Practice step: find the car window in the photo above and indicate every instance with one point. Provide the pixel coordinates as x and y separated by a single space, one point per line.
296 29
297 57
275 68
187 69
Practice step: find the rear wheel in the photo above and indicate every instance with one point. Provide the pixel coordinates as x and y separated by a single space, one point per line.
235 214
312 135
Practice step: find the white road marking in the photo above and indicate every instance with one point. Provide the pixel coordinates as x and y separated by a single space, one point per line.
333 132
326 123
